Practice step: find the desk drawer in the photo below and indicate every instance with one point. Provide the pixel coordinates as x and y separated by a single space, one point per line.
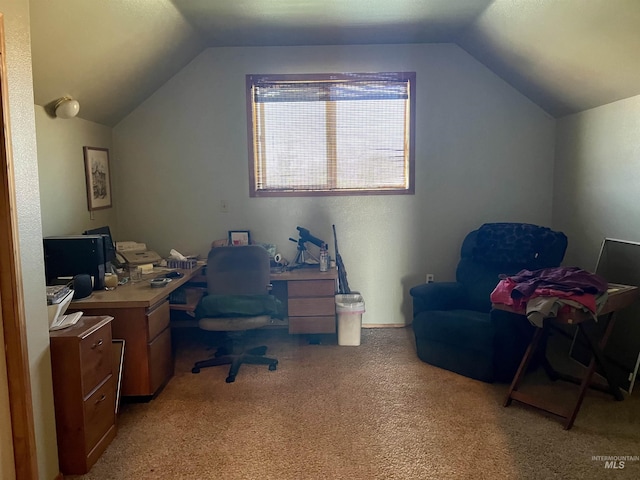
99 413
160 360
312 324
159 318
312 288
311 307
95 358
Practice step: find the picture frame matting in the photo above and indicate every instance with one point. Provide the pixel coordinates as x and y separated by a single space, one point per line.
239 237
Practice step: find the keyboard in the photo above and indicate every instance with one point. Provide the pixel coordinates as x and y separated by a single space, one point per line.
178 297
65 321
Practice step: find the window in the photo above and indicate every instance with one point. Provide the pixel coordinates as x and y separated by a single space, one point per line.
331 134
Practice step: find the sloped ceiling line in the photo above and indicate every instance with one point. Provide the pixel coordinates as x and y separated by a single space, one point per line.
566 56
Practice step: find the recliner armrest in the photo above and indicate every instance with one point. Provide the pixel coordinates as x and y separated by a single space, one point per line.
438 296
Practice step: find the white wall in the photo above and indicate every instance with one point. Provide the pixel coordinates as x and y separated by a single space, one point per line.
23 140
596 195
483 153
63 196
596 192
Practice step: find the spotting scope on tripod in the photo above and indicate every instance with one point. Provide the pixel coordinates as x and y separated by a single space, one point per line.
304 257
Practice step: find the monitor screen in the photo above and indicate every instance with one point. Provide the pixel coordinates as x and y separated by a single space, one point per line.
109 246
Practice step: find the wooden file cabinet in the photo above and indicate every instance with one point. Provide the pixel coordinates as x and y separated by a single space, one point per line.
84 389
310 299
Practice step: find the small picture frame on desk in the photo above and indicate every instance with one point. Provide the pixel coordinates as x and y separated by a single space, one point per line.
239 237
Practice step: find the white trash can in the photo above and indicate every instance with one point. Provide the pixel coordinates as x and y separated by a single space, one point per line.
349 307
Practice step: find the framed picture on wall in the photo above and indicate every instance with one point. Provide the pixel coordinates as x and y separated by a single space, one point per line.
239 237
98 176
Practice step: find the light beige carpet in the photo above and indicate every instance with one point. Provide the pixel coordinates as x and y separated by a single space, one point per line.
369 412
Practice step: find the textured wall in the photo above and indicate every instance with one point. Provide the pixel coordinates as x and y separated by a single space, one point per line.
63 196
597 175
483 153
596 195
23 139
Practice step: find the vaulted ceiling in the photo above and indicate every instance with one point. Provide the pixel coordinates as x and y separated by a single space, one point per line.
565 55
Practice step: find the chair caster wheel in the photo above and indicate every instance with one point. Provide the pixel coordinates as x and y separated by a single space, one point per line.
195 370
273 366
230 379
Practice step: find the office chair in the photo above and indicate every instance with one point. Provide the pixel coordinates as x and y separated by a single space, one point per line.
237 300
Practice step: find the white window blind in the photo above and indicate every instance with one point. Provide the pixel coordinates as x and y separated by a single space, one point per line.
331 134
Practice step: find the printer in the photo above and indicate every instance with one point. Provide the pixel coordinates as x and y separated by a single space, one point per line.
134 253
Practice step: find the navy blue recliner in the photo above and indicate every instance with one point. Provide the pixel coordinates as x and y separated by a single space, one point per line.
454 325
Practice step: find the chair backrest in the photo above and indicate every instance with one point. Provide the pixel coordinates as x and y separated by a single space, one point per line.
505 248
240 270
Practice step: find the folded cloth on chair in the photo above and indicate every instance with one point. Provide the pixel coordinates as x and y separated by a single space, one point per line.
239 306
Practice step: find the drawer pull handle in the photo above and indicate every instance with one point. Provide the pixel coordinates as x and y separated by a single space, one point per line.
98 344
101 399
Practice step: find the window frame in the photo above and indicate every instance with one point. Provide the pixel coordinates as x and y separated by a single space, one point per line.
410 77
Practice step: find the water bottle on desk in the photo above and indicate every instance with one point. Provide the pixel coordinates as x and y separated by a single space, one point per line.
324 258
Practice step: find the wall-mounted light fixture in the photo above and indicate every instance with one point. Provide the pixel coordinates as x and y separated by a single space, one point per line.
66 107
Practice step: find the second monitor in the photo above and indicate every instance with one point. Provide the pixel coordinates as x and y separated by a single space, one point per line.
109 245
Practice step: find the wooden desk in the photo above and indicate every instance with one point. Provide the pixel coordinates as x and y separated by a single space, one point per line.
141 318
307 294
620 296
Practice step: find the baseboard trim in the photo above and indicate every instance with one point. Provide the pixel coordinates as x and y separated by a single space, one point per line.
383 325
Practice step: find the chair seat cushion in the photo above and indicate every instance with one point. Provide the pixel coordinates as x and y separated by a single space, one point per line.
239 306
228 324
465 329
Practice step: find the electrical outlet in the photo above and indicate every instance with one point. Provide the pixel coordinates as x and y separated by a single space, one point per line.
430 278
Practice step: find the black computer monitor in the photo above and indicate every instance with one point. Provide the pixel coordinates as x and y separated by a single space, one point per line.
109 246
67 256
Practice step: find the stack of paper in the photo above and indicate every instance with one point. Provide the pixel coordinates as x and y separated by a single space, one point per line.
56 293
56 310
